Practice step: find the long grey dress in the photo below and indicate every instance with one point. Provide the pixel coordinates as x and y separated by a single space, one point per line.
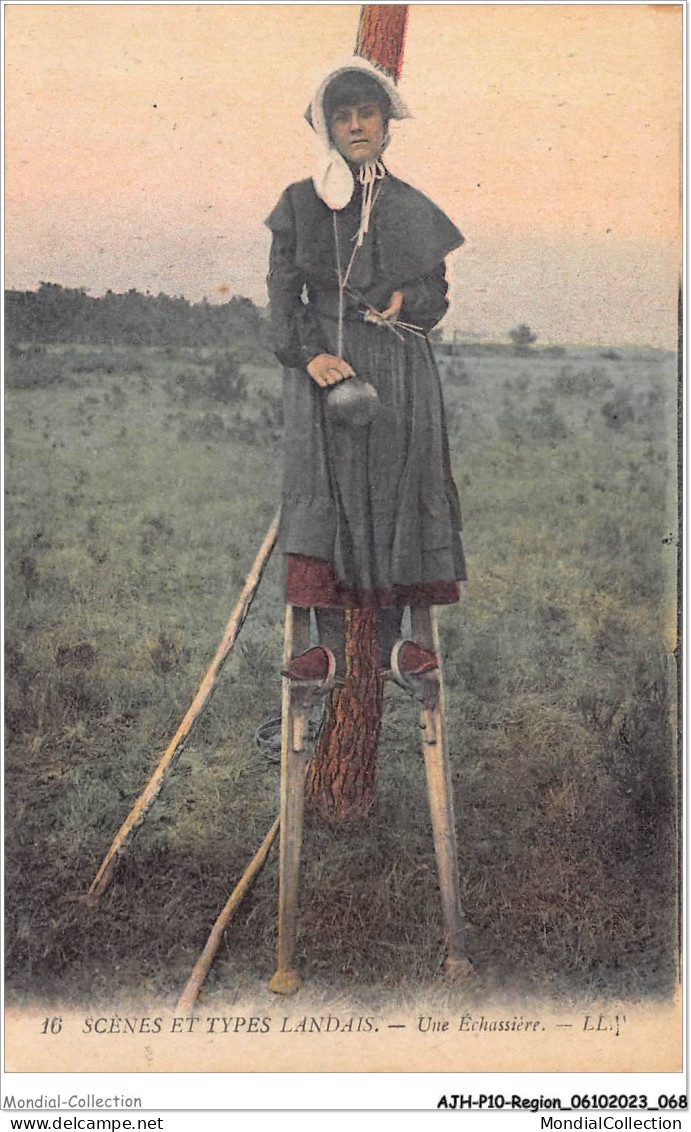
376 506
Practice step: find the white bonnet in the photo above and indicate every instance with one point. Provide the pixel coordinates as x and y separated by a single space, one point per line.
332 177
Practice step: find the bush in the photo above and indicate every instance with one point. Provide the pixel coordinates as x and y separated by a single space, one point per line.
618 411
582 383
519 384
35 368
226 383
271 414
522 335
187 386
545 423
93 362
457 372
541 422
210 426
154 535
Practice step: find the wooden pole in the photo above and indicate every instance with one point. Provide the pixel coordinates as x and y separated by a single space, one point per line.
174 748
381 36
435 752
295 754
201 967
341 777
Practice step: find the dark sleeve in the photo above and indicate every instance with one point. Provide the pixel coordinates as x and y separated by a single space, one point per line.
296 332
424 299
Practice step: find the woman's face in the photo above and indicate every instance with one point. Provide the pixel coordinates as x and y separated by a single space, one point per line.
358 131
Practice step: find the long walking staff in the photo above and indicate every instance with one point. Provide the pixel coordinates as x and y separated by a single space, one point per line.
201 967
207 686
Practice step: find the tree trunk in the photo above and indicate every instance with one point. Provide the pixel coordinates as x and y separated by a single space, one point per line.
381 36
341 775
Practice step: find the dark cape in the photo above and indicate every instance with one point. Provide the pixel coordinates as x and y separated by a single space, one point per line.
377 503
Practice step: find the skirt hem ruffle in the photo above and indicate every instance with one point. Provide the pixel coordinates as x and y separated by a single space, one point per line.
313 583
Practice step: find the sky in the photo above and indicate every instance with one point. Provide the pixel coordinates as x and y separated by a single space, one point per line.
145 144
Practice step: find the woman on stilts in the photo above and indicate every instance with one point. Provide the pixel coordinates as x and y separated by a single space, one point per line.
370 514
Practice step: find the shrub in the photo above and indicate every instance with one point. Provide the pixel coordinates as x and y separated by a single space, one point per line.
522 335
35 368
519 384
187 386
29 572
226 383
93 361
209 426
80 654
154 535
582 383
541 422
545 423
271 413
618 411
457 372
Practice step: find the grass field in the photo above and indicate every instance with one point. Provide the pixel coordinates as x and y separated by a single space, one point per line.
139 486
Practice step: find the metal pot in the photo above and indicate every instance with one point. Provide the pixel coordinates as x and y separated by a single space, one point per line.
353 403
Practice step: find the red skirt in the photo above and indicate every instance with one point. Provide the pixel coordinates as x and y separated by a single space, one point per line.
312 582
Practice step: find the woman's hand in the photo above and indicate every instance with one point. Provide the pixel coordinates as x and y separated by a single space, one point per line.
327 370
392 311
394 308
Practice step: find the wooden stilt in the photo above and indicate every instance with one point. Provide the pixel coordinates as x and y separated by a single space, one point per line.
440 794
295 755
